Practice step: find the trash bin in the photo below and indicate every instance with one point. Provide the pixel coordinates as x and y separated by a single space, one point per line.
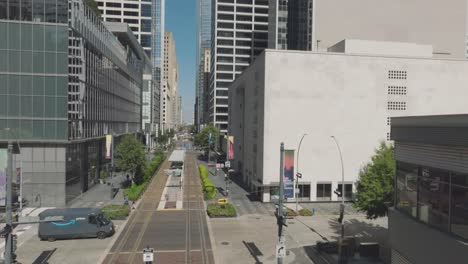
369 249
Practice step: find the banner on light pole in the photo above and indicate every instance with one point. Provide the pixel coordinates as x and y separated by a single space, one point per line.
3 175
108 147
288 174
230 148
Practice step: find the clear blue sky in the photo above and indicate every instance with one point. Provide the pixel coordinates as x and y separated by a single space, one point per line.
181 20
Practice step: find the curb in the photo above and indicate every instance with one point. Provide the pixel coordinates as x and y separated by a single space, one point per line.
117 233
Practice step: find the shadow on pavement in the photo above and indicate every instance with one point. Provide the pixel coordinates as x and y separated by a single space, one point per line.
44 256
254 251
362 230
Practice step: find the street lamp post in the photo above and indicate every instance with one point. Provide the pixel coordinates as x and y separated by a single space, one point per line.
298 174
342 205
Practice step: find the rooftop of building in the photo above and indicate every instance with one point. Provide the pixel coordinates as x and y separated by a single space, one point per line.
125 35
460 120
372 48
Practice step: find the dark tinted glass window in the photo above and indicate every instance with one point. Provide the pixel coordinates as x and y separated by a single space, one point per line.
433 198
14 7
113 4
130 5
146 25
459 223
3 9
145 40
50 11
38 10
146 10
26 10
323 191
131 21
130 13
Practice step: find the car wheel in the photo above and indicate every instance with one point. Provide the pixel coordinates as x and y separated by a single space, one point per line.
101 235
51 239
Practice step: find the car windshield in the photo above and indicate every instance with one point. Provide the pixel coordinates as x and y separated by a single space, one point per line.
103 219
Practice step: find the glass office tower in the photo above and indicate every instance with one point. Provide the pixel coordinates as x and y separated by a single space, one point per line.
65 82
203 44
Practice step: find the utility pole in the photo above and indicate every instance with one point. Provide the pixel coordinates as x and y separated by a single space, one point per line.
8 211
281 244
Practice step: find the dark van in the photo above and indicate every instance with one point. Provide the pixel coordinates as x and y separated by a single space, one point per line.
77 223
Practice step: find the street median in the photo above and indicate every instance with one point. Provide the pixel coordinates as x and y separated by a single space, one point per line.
209 190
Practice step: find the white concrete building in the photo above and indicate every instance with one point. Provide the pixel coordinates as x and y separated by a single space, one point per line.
285 94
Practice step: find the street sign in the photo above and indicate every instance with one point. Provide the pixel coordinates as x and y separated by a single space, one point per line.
148 255
280 249
227 164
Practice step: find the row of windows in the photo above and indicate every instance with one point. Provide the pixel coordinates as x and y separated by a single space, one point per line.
34 129
396 106
230 59
33 62
51 11
436 197
27 37
397 90
245 2
229 34
114 4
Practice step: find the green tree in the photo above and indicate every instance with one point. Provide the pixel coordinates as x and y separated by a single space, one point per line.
93 5
162 139
201 139
130 154
375 187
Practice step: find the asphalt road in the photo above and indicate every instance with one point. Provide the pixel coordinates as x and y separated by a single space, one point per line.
177 236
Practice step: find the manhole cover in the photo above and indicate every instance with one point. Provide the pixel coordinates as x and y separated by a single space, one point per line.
224 243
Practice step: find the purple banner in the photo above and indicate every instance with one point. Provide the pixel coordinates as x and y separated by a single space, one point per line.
288 174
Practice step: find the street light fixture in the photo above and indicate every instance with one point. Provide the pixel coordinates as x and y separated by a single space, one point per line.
342 205
298 174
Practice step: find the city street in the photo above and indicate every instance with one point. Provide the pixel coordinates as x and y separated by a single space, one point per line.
177 236
251 237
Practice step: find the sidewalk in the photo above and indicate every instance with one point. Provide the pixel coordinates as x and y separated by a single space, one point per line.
100 194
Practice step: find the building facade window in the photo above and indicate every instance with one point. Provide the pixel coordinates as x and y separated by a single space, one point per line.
436 197
348 195
324 191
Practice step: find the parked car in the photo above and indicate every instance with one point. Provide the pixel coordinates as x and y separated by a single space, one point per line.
77 223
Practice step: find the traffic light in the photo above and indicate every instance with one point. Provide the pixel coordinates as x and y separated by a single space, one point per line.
338 192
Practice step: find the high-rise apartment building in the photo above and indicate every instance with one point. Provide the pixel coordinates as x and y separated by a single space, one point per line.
203 44
170 73
137 14
67 80
146 20
239 33
291 25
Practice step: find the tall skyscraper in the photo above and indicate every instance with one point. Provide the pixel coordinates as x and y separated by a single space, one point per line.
136 13
239 33
203 44
290 25
77 80
157 54
169 92
146 20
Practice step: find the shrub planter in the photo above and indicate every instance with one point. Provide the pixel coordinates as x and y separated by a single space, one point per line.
221 211
116 211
